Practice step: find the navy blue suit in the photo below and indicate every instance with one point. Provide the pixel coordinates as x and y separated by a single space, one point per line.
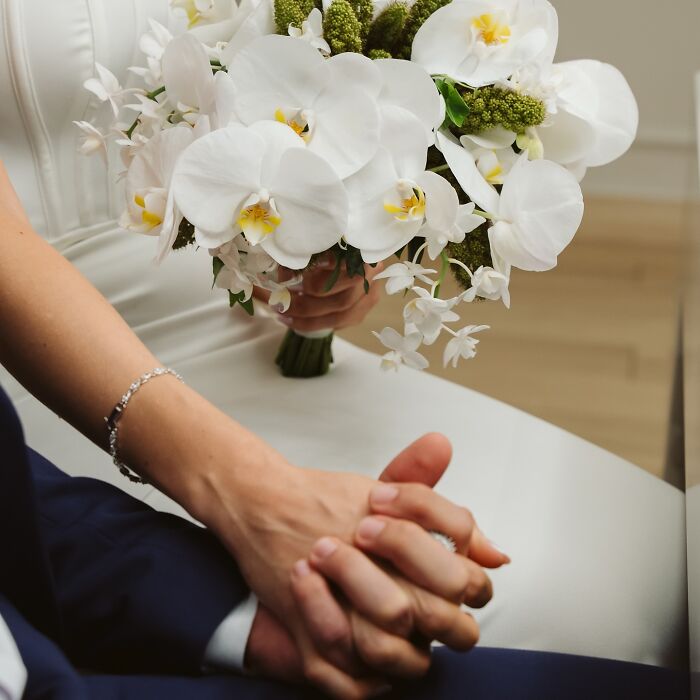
93 579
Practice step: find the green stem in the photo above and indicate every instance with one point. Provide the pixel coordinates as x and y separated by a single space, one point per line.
155 93
304 357
439 168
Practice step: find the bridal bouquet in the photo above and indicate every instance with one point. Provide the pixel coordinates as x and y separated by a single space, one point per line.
277 131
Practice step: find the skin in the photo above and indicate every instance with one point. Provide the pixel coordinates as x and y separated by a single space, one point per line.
73 351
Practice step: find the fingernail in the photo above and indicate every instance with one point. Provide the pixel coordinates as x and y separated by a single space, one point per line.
383 494
369 528
301 568
500 551
324 548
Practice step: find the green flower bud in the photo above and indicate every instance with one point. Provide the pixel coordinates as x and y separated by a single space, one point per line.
386 31
374 54
364 10
288 12
341 28
492 106
421 10
474 251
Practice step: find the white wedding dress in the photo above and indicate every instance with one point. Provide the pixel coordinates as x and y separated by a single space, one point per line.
598 545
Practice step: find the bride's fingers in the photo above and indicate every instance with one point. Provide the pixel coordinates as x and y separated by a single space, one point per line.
326 622
370 590
423 560
420 504
395 656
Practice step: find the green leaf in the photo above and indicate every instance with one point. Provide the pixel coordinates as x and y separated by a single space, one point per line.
217 266
333 278
239 298
456 108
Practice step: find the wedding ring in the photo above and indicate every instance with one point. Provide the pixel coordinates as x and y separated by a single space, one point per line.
445 540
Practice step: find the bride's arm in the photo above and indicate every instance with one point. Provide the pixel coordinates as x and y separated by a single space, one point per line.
70 348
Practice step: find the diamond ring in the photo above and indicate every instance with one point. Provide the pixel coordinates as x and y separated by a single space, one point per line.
445 540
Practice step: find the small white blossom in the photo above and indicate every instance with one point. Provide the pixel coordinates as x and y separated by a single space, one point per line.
487 283
437 238
312 32
105 87
94 140
427 314
403 275
462 345
403 349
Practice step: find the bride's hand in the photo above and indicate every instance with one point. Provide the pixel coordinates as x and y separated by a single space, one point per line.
313 308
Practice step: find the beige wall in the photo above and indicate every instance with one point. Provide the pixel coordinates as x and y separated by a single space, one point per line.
656 44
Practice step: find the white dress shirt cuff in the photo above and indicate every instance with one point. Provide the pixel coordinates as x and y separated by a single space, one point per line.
13 674
226 648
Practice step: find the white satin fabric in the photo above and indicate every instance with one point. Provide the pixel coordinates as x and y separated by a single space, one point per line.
597 544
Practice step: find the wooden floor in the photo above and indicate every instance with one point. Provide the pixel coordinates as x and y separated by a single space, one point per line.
590 345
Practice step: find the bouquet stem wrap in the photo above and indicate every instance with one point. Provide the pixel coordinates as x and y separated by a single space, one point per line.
305 354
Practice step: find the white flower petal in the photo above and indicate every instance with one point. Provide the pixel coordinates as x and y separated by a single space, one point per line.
464 169
402 135
187 72
408 85
346 131
215 174
313 206
355 70
442 202
598 93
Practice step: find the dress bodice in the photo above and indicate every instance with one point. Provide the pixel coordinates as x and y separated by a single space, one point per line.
47 50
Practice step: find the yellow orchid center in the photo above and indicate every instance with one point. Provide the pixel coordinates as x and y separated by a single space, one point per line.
259 220
493 176
299 128
151 219
410 208
491 30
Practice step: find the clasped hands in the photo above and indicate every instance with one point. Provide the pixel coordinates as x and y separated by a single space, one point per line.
365 606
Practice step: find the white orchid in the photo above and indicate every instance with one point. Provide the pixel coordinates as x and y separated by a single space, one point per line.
427 314
488 283
312 32
403 350
592 115
277 77
494 163
253 19
264 182
130 146
437 237
94 141
538 213
393 195
106 88
153 45
403 275
150 206
478 42
462 346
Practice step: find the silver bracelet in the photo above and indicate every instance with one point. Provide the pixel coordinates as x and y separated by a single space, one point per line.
115 416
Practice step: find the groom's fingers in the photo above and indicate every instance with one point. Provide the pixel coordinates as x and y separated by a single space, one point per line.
420 504
326 622
369 589
423 461
424 561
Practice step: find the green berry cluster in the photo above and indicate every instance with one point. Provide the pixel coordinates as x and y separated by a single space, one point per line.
341 28
291 12
493 106
474 251
420 11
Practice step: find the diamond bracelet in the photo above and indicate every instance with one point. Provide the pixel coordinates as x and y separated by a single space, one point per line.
115 416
